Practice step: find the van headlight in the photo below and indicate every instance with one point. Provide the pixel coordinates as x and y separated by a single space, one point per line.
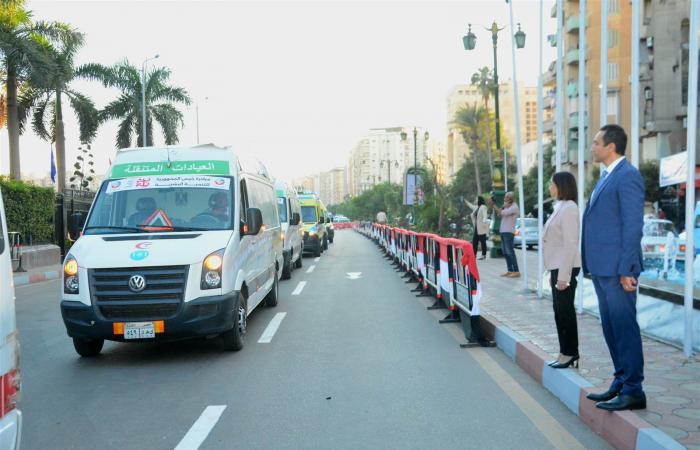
211 270
71 283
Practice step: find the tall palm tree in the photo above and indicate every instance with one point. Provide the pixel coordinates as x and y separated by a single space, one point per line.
25 59
46 101
469 120
483 79
160 100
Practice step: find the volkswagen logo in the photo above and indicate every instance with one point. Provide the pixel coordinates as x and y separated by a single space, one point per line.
137 283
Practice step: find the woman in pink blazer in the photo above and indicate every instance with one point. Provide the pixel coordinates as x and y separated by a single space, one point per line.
562 257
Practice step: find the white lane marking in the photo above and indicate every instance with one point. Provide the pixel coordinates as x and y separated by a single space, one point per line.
353 275
317 259
310 269
299 288
271 329
201 428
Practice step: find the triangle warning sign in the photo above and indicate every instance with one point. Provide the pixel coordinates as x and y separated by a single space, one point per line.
157 221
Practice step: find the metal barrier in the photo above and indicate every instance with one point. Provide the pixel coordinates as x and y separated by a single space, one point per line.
15 244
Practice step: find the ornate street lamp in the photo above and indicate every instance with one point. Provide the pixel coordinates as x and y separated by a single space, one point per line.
404 137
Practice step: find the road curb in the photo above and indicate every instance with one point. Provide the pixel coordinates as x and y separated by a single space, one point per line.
621 429
31 278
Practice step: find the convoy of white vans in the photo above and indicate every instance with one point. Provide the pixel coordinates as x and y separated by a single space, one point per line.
181 242
10 416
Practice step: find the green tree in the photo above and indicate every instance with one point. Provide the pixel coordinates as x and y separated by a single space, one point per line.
25 59
46 101
650 173
161 99
84 172
530 181
469 120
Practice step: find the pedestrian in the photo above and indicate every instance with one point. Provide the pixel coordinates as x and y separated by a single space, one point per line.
563 259
508 214
611 243
481 225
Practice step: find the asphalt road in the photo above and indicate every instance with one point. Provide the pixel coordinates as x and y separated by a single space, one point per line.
356 362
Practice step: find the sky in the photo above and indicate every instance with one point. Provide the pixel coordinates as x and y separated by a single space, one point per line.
298 84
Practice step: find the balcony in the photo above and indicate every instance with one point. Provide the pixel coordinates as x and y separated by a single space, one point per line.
573 120
572 56
572 24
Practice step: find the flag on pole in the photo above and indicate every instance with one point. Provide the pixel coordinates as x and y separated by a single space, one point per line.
53 167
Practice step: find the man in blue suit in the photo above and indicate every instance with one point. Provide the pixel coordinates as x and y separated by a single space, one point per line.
612 254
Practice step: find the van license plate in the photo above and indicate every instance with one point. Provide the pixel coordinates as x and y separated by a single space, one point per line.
139 330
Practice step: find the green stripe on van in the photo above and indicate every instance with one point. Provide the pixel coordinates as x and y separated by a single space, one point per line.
198 167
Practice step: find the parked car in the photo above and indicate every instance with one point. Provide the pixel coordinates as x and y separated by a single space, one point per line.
530 232
655 238
10 416
180 242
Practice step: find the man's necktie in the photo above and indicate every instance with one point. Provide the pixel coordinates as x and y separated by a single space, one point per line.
598 185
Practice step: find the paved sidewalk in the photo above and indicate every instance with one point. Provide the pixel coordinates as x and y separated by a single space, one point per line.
672 382
37 275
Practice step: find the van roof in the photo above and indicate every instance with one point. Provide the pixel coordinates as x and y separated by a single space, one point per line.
204 159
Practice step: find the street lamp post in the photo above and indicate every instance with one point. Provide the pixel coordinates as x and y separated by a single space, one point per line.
144 140
388 166
498 181
404 136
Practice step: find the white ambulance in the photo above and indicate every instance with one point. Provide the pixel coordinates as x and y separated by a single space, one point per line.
10 416
290 216
179 242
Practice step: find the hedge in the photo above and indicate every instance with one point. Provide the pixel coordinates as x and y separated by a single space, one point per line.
29 209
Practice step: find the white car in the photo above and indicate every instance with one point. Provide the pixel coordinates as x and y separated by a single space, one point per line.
179 242
10 416
656 238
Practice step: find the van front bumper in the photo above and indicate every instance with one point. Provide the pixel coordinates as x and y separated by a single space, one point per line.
203 316
311 244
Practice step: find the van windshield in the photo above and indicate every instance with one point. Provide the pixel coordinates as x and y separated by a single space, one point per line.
308 214
162 203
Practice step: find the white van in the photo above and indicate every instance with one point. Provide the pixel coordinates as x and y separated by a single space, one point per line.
10 416
290 215
179 242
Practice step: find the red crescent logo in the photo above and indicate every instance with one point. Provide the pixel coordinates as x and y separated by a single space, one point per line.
143 245
219 182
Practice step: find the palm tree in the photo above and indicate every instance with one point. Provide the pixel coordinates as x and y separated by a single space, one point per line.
469 120
46 102
25 59
483 79
160 97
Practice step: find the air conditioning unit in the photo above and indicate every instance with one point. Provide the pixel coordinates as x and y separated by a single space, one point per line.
650 42
648 94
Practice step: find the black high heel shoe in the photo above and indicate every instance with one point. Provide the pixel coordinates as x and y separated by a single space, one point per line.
573 361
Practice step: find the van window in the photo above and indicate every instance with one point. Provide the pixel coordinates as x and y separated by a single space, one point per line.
263 197
308 214
244 201
282 209
162 204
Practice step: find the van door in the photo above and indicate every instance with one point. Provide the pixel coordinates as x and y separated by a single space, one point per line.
250 265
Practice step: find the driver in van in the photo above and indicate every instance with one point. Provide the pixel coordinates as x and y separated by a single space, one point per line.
219 206
145 206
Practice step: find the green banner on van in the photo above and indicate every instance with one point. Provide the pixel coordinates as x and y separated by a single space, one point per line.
203 167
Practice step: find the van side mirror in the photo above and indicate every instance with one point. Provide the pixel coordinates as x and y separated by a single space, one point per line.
255 221
75 224
320 220
296 218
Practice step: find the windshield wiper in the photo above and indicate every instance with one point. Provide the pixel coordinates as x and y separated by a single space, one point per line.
188 229
131 229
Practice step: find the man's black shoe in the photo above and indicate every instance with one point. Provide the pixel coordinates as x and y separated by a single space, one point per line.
623 402
604 397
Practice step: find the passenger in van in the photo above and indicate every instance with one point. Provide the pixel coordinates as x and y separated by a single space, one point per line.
145 206
218 206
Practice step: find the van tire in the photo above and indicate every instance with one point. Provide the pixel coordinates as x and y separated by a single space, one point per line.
317 252
299 263
272 297
287 270
88 348
234 339
325 243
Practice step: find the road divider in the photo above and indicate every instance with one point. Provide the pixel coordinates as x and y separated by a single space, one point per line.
299 288
272 328
443 268
201 428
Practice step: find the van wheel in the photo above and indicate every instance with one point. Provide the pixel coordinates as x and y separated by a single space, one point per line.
88 348
317 252
274 294
330 240
325 243
298 263
287 270
234 339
